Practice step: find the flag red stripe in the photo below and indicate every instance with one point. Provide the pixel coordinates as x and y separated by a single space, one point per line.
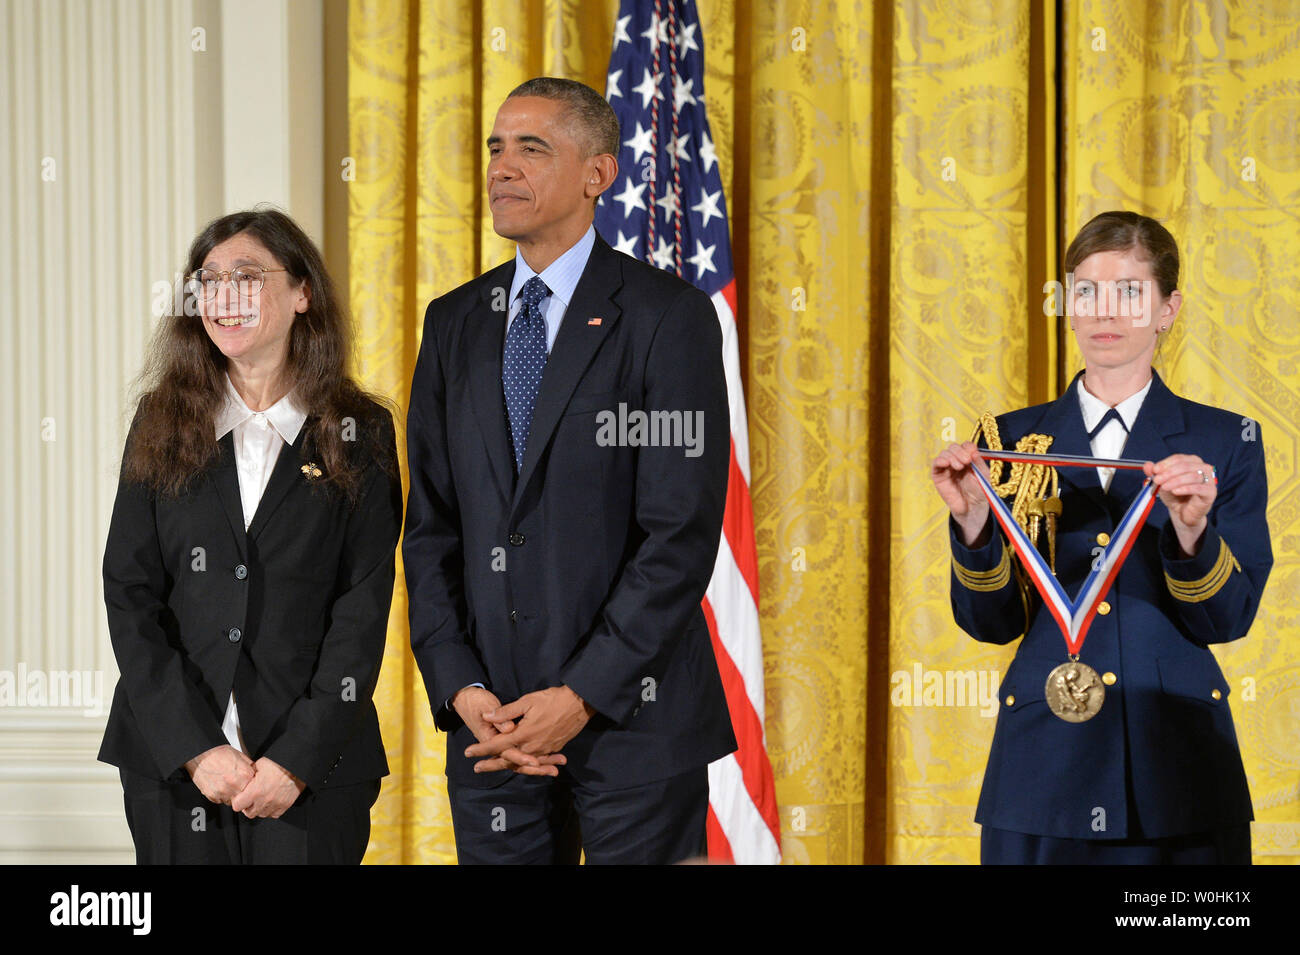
738 524
750 752
719 847
729 293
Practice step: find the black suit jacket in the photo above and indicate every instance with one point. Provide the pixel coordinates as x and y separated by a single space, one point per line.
589 567
291 615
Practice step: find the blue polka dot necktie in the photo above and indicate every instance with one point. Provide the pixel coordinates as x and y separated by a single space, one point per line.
522 365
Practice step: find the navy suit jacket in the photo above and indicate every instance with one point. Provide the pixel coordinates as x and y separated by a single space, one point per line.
292 615
588 568
1161 756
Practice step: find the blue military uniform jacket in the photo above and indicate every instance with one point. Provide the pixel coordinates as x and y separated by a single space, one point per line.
1160 758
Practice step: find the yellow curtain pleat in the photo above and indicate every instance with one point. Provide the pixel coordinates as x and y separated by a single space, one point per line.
958 346
382 264
1043 227
803 266
1191 115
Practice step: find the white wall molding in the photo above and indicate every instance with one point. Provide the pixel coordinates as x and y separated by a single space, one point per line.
119 119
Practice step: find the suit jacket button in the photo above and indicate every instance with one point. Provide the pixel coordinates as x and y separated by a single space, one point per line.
240 571
1011 701
1216 695
1103 538
517 539
1103 608
234 635
1109 678
514 615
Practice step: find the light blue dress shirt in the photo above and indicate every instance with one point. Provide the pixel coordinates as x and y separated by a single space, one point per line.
561 277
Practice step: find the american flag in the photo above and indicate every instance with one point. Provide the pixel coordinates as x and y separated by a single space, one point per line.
667 166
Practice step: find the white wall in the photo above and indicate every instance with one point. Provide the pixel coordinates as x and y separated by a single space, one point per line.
128 124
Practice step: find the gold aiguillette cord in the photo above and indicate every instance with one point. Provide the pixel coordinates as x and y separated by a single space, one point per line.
1034 486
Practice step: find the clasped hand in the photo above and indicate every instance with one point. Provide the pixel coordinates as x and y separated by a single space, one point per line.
257 789
525 736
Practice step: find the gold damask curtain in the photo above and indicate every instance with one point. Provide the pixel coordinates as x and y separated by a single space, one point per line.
898 193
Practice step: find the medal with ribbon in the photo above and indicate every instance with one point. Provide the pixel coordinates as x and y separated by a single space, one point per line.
1074 692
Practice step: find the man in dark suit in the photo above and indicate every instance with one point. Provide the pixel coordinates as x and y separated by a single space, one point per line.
568 441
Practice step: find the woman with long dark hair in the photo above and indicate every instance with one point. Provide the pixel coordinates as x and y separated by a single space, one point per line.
1114 740
249 566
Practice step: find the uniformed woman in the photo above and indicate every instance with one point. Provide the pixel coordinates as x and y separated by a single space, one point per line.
249 567
1127 754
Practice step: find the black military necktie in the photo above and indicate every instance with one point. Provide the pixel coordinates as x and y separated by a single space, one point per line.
1109 415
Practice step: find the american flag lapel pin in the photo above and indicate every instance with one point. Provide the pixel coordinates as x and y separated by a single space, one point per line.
593 321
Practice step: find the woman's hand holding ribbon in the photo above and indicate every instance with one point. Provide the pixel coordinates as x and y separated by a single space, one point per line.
954 477
1187 486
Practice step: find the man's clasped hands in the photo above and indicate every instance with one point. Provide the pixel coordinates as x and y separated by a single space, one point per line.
525 736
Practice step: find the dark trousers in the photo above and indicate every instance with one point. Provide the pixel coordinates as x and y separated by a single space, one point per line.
1227 846
541 820
172 823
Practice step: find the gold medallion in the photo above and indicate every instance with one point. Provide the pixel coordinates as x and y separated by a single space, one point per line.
1074 692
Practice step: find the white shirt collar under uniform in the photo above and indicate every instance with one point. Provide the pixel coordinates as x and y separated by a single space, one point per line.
1110 440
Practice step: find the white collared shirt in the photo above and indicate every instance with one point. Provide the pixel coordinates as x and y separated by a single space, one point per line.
258 437
1110 440
561 277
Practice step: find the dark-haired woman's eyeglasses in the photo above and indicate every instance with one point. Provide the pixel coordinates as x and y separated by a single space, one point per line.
247 280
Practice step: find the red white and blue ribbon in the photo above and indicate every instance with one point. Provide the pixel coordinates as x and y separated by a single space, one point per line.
1074 617
1064 460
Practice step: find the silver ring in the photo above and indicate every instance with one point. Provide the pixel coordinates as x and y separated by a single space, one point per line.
1204 478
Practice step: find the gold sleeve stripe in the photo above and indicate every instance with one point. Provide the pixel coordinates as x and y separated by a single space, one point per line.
1194 591
985 580
1211 583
